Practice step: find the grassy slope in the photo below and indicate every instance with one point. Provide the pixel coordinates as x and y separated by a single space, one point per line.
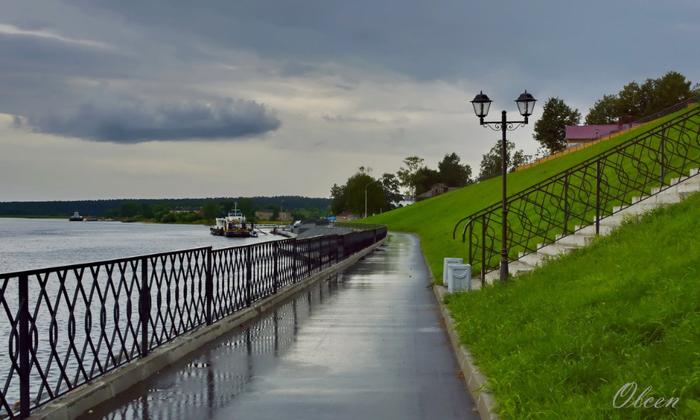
625 309
433 219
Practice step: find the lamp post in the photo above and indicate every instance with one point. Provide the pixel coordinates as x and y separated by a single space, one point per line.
367 185
481 104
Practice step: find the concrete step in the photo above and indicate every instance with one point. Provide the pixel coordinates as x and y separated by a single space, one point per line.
638 208
520 266
533 259
685 180
613 221
590 230
577 240
493 276
682 188
666 197
556 249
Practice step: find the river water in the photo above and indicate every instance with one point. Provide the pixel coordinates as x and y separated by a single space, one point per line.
37 243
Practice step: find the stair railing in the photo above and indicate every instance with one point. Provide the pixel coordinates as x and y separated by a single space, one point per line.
584 194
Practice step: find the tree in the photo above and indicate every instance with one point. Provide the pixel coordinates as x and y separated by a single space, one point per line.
338 198
628 101
147 211
407 174
247 207
550 130
391 185
351 196
670 89
635 101
453 173
129 209
604 111
491 162
211 210
425 178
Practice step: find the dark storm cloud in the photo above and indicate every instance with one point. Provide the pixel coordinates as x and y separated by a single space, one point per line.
575 50
134 121
541 44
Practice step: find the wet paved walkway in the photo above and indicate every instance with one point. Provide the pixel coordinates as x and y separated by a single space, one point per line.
366 344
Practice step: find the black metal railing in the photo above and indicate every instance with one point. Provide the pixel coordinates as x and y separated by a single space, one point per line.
585 193
62 327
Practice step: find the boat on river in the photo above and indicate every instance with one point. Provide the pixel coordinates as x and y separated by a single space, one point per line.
233 226
76 217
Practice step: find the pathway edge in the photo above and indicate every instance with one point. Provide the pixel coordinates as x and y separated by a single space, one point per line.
473 378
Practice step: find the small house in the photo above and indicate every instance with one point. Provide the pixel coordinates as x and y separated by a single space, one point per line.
435 189
581 134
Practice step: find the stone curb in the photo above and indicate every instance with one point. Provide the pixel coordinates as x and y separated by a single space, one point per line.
473 378
93 393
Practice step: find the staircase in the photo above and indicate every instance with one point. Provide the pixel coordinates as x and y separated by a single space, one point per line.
566 211
585 235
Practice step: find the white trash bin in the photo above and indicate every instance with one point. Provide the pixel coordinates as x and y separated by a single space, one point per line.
459 277
447 261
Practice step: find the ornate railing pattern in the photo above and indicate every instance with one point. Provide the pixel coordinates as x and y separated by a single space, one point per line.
62 327
585 193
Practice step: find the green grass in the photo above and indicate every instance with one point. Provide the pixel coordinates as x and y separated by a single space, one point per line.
560 341
434 219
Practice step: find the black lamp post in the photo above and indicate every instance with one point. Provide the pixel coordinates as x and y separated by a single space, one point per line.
481 104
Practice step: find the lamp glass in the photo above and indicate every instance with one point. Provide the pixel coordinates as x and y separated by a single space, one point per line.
481 104
526 104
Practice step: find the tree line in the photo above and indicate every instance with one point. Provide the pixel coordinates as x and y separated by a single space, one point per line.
631 103
182 210
415 177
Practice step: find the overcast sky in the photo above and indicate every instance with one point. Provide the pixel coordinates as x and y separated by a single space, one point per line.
105 98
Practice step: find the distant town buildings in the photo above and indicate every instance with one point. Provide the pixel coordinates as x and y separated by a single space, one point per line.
268 215
346 216
436 189
577 135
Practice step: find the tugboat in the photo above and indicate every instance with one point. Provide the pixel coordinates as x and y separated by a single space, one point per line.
233 226
76 217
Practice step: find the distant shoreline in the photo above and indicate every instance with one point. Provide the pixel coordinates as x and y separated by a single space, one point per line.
138 220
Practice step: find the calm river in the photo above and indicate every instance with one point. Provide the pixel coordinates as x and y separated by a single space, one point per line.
37 243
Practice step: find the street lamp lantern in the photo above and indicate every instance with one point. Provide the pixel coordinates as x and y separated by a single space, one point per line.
526 103
481 104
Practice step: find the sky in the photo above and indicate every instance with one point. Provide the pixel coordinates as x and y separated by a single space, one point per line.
177 98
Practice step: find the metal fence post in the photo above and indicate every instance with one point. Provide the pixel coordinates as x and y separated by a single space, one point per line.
24 345
566 205
471 231
597 197
295 260
209 287
309 267
144 306
336 248
483 249
248 276
663 157
275 279
321 253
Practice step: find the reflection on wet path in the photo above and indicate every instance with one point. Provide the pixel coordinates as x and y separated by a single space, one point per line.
198 387
366 343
